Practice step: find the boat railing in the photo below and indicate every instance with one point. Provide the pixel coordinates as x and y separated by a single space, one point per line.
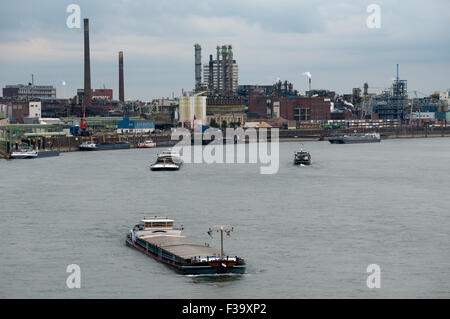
212 258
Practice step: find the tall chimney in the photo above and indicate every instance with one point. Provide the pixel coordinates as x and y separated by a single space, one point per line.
224 70
198 67
218 67
211 74
87 66
121 88
230 70
309 83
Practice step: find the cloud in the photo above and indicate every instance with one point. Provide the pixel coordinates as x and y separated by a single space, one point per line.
270 39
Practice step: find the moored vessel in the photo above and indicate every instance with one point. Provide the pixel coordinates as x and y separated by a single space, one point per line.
157 238
355 138
47 153
24 153
90 146
146 144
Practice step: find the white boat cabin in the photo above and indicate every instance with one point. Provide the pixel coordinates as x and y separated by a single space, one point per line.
157 223
156 226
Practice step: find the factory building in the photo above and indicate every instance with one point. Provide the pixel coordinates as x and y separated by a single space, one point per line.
18 110
221 75
29 91
127 125
226 111
299 108
390 105
102 94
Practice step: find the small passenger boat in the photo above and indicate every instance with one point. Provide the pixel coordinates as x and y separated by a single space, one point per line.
302 158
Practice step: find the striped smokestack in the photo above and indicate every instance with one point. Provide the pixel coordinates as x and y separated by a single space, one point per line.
87 66
121 87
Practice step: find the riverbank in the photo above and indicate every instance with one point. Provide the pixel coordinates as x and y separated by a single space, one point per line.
71 143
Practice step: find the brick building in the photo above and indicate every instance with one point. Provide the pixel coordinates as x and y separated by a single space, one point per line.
102 94
297 108
29 91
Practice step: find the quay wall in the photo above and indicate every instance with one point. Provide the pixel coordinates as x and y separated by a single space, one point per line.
71 143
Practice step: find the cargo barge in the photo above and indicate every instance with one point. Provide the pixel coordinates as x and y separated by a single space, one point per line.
158 238
355 138
31 153
90 146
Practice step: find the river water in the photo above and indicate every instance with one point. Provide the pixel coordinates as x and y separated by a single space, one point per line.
305 232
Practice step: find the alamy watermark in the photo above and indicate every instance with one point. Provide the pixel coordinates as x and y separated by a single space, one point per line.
374 279
374 19
74 19
236 139
74 279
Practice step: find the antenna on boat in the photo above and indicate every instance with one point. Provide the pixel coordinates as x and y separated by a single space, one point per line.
222 228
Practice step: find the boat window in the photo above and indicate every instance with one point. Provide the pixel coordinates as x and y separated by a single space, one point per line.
169 224
158 224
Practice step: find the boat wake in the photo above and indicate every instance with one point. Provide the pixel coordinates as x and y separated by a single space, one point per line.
216 278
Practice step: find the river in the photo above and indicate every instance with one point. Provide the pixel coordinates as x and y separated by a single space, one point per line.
305 232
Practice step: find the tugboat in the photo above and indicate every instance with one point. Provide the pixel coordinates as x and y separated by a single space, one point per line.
302 158
146 144
157 238
356 138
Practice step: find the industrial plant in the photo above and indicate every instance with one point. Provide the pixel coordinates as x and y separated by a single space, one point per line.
217 99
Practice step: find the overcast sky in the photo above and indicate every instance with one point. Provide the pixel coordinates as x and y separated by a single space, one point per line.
270 39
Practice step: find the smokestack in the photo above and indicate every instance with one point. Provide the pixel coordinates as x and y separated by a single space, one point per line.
310 84
87 66
224 70
230 70
211 73
198 66
218 67
121 87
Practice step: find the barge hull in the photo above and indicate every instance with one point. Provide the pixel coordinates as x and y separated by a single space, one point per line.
182 265
105 147
49 153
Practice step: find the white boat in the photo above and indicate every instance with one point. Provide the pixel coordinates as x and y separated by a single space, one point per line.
302 158
171 154
165 164
87 146
24 153
146 144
